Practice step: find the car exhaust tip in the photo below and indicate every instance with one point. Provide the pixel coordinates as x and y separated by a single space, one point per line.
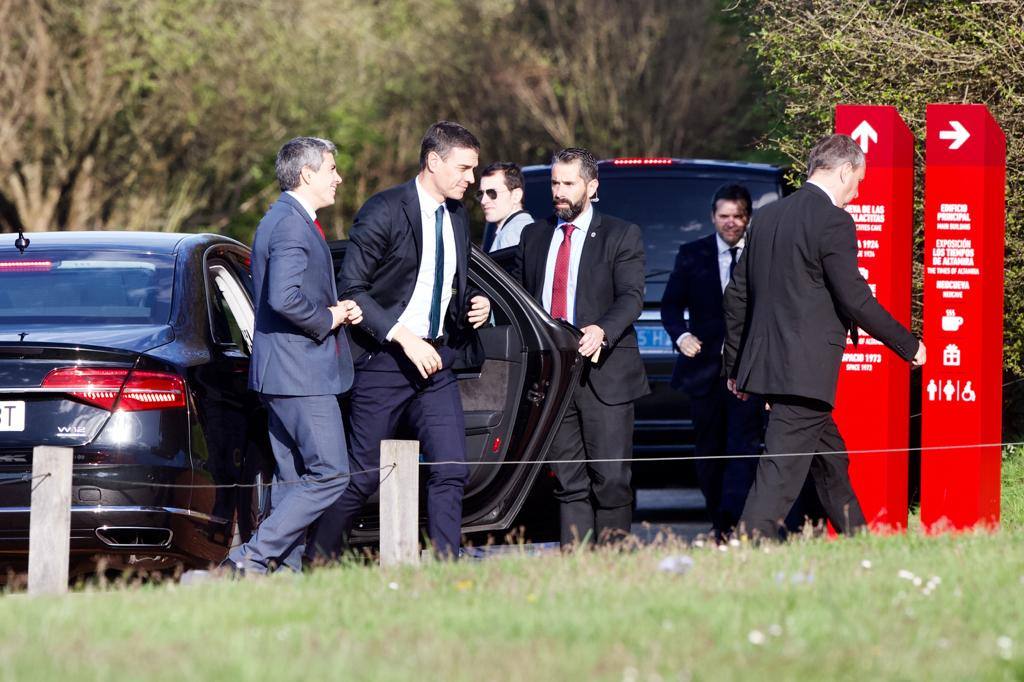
132 536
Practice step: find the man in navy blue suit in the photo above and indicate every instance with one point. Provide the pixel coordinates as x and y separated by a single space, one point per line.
300 359
723 424
407 267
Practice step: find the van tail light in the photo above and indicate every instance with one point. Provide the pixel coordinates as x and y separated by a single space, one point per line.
129 391
635 161
25 266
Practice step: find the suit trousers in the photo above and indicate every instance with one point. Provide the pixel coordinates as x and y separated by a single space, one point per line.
801 425
725 425
308 441
595 494
388 391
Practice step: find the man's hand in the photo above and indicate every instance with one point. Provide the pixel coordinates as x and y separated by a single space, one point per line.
479 311
339 314
421 353
689 345
731 383
350 312
920 356
593 337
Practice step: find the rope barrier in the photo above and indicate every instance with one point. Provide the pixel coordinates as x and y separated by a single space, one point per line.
679 458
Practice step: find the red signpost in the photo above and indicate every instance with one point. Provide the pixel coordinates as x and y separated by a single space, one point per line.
873 399
964 213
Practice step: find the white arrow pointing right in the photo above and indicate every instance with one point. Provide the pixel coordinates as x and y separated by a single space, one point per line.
958 134
862 133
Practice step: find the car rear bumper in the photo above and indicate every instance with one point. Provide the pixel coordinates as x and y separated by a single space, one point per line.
143 536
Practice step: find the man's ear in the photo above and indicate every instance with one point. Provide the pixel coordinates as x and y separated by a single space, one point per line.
433 158
517 195
592 188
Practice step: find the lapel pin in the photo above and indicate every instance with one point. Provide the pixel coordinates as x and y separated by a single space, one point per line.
593 234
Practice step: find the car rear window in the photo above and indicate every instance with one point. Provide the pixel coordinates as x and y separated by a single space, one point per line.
672 209
85 287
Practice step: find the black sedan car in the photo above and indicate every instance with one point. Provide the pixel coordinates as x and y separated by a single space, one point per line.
133 350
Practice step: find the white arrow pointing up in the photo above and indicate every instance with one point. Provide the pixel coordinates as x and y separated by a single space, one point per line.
958 134
862 133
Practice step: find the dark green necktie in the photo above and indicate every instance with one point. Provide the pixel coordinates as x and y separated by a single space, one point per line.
435 300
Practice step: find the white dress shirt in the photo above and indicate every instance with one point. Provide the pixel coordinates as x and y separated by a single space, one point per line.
825 190
416 316
303 204
579 237
724 260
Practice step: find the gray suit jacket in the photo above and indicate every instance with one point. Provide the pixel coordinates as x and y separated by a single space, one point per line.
295 352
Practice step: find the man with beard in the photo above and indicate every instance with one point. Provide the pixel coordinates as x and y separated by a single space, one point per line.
407 267
588 269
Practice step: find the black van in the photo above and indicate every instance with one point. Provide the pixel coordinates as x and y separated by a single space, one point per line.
670 199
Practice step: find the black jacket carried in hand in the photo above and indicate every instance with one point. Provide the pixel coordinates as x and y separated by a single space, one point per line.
609 293
695 286
795 293
383 259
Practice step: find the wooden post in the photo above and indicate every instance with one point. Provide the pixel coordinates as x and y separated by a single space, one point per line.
49 535
399 502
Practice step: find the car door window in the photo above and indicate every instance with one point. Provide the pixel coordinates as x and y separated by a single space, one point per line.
231 315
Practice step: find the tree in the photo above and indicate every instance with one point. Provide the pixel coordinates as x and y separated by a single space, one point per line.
903 53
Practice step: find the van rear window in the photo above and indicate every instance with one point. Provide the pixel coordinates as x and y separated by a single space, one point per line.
85 287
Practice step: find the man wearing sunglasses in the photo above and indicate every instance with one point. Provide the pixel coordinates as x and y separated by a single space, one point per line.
501 197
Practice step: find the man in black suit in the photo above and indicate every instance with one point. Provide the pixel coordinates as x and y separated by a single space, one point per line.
723 424
795 294
588 268
406 266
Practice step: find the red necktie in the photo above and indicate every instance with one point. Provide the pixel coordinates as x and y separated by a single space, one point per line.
317 223
560 283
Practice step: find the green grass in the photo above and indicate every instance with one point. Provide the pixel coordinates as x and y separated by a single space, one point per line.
809 610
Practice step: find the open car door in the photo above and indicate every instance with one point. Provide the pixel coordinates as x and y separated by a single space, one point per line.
513 397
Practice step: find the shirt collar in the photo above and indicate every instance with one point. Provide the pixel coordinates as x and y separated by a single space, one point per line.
428 204
723 246
582 221
303 204
825 190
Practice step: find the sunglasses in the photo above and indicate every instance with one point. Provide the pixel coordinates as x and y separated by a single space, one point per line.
491 194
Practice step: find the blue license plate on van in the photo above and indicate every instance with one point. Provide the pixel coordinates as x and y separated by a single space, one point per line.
653 340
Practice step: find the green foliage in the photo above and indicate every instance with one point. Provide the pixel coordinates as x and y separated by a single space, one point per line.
906 54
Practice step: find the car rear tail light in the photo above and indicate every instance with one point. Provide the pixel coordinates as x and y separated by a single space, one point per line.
635 161
130 391
25 266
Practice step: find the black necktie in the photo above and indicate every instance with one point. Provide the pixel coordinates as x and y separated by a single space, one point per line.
733 250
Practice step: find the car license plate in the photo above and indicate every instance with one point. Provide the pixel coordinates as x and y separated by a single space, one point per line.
653 339
12 415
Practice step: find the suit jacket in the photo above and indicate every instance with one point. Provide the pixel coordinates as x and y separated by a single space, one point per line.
383 259
609 293
794 294
695 284
294 351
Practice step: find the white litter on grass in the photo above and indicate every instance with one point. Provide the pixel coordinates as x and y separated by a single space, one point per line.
698 543
917 581
905 574
775 630
866 563
676 563
1005 645
756 637
723 548
734 542
392 586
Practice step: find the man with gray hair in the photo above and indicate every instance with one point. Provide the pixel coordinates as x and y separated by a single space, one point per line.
795 294
300 360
